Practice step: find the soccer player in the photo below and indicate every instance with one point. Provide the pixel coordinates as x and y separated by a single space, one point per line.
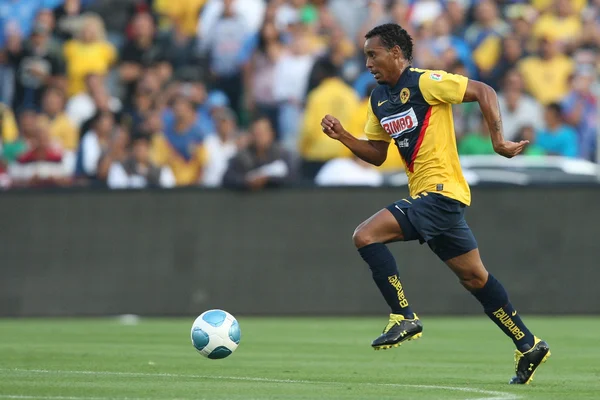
412 107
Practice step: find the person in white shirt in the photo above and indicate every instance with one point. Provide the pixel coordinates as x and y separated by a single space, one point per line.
137 171
83 106
517 108
220 147
348 172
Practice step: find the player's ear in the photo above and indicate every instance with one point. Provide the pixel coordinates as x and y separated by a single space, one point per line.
397 52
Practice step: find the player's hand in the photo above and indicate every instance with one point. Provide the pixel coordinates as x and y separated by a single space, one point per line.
510 149
332 127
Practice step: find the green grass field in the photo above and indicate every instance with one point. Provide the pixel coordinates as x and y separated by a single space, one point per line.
290 358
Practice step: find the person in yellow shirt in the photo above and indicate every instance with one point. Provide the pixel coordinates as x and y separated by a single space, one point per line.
545 5
90 53
184 12
180 145
547 76
9 131
62 131
332 95
561 24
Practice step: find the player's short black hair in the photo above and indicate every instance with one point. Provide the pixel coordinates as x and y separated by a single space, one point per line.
393 35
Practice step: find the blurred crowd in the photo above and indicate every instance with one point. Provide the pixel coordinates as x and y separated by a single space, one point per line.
230 93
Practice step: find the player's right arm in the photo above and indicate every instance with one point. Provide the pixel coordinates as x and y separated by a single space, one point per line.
374 150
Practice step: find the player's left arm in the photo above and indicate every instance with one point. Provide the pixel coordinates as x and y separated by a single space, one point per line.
488 103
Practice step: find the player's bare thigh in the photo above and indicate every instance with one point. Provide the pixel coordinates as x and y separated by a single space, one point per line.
470 269
382 227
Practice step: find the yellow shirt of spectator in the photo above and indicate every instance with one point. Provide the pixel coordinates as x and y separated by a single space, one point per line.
547 80
393 162
543 5
10 132
186 172
182 12
83 59
63 131
554 28
333 96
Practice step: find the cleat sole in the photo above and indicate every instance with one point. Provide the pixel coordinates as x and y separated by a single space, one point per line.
389 346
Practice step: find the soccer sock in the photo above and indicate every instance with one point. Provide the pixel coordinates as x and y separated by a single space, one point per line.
495 303
385 274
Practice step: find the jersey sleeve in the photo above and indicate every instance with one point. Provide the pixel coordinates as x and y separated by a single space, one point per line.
373 128
440 87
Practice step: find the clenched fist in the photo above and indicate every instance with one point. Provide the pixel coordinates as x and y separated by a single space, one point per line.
332 127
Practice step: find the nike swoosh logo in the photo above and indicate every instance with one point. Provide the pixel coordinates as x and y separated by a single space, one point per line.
402 211
379 103
514 313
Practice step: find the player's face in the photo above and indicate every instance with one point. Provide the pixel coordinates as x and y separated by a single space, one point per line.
382 62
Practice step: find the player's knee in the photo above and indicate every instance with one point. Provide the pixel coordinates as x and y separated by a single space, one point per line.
362 237
473 281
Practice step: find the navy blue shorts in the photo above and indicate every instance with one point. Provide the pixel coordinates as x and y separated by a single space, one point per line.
436 220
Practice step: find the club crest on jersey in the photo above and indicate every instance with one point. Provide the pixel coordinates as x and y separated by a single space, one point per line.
398 124
404 95
435 76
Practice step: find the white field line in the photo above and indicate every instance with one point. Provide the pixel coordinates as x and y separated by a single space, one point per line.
489 394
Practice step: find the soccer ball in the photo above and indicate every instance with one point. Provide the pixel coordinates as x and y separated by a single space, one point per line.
216 334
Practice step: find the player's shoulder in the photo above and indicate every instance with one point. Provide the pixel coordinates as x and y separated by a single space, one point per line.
431 75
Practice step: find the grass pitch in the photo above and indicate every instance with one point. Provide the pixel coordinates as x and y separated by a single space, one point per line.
290 358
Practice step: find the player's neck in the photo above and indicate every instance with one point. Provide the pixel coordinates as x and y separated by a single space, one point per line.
397 78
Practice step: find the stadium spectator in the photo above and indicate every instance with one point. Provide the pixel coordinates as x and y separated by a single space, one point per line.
43 164
67 19
332 96
527 132
143 50
561 24
224 43
291 80
9 131
517 108
11 150
262 164
89 53
180 145
137 170
557 138
62 131
476 142
259 75
35 67
547 75
83 106
581 110
512 52
221 147
95 142
484 35
348 171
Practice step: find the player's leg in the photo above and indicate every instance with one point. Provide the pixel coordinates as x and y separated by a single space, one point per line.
469 268
370 238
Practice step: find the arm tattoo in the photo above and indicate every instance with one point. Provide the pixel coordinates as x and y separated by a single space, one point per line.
497 125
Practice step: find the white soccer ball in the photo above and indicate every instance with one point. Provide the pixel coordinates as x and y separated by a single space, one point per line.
216 334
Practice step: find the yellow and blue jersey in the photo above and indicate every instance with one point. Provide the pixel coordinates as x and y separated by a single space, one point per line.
416 113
